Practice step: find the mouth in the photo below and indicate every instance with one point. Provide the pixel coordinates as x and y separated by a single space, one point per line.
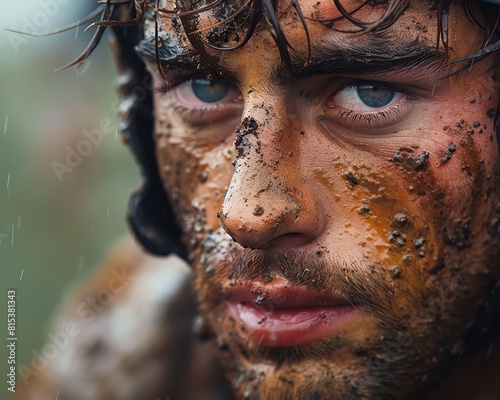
277 314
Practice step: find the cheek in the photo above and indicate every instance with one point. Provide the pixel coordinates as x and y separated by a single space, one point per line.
449 169
195 179
395 207
415 202
467 168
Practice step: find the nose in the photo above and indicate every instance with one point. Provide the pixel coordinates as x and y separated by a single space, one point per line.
268 204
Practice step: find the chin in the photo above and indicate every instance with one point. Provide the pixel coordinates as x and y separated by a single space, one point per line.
309 372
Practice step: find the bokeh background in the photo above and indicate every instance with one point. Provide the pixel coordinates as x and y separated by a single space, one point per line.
53 232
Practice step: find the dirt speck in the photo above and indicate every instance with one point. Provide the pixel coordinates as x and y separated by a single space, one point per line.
404 156
259 210
247 127
397 238
449 152
351 178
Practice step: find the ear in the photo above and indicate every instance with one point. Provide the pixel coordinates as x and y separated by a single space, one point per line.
150 215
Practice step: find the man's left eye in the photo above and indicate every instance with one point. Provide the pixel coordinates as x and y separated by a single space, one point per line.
365 97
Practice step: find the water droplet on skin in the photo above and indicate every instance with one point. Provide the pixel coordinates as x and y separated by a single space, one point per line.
364 209
203 177
395 271
401 219
260 299
397 238
419 242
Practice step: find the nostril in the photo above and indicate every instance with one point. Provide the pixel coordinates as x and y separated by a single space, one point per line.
291 240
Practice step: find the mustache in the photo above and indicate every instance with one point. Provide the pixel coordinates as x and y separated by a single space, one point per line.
362 283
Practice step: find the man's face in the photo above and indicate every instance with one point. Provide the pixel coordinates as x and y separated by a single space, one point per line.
339 216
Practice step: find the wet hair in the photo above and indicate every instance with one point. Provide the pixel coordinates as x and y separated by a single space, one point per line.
241 17
250 13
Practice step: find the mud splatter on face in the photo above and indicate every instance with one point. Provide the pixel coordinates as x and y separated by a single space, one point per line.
448 153
395 210
405 156
248 127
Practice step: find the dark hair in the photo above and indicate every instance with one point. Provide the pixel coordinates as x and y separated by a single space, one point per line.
241 17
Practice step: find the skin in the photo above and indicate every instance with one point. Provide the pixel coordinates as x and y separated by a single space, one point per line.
393 211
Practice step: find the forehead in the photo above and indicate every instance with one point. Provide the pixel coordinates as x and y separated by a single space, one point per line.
327 31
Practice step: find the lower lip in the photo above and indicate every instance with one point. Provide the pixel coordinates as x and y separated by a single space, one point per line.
287 327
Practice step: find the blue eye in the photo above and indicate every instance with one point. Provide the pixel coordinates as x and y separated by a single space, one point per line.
209 91
375 97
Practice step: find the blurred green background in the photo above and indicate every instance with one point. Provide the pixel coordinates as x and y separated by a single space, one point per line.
53 233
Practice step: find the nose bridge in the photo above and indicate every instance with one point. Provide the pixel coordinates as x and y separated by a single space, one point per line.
265 120
266 203
261 170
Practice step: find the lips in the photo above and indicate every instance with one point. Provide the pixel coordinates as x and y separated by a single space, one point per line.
278 314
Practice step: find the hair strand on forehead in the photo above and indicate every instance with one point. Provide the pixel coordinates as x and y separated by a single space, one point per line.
248 14
443 21
393 11
488 18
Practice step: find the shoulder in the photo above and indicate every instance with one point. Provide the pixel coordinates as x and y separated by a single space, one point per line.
119 335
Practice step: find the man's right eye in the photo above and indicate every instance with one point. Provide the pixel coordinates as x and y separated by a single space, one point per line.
200 101
209 91
203 93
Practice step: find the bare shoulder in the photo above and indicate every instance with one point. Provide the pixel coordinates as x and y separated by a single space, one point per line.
123 332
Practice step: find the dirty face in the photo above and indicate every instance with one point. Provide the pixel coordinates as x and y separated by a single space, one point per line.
342 217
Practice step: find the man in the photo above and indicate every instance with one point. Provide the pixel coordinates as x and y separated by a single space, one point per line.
333 171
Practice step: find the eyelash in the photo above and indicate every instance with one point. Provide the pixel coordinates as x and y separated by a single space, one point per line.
371 119
368 120
192 114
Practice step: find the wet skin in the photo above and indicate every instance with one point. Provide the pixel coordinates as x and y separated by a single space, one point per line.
365 181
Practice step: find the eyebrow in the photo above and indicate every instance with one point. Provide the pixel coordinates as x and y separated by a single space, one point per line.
375 56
